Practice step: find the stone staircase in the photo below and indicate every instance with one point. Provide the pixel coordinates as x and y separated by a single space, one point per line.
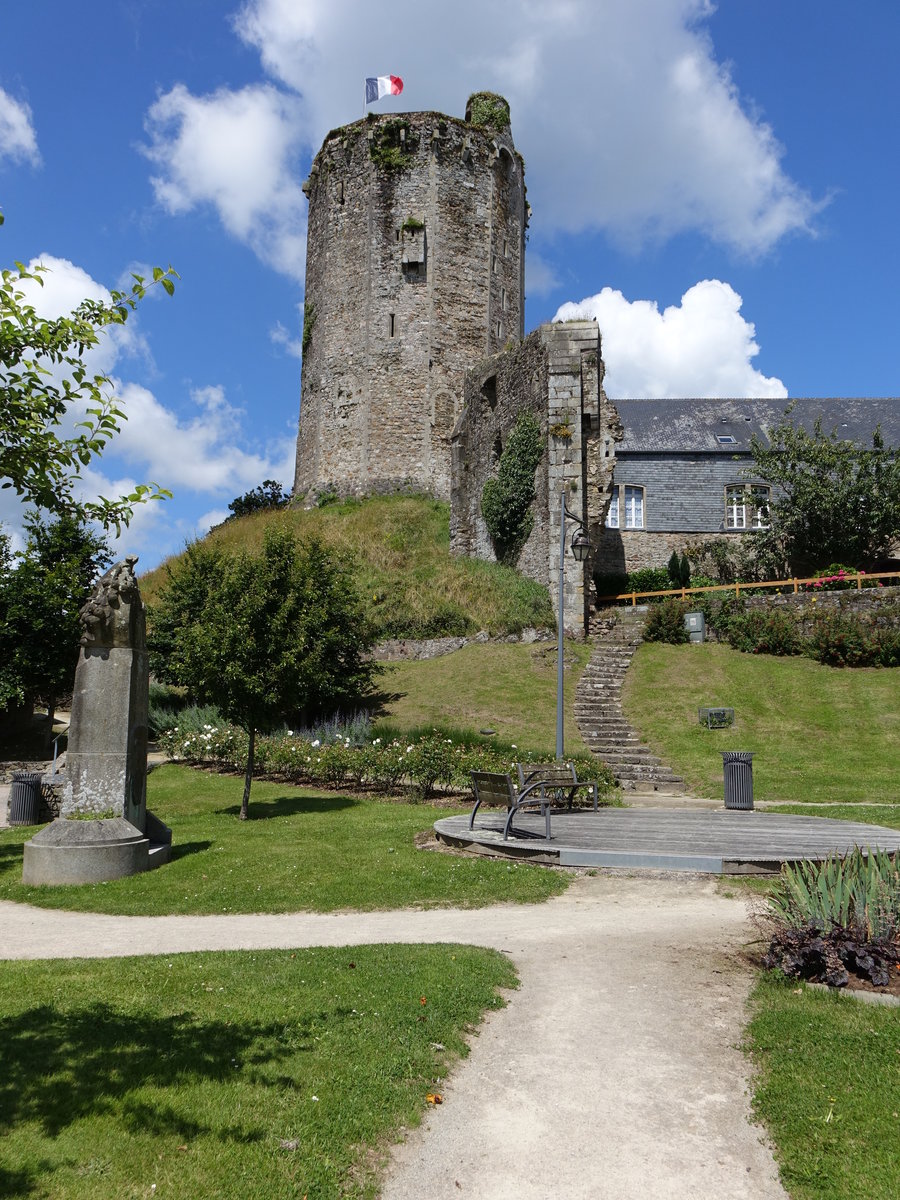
598 708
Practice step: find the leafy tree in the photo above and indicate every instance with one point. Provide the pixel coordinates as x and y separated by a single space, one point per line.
269 494
40 598
43 378
263 638
832 501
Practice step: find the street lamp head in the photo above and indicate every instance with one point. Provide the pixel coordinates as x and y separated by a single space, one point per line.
581 545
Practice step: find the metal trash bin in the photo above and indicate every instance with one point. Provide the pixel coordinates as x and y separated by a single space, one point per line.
25 798
738 766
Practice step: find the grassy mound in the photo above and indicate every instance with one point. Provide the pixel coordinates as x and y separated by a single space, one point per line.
400 549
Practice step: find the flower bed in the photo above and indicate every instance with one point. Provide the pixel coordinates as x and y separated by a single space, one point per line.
419 768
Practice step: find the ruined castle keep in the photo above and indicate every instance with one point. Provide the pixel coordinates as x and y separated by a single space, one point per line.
416 371
415 263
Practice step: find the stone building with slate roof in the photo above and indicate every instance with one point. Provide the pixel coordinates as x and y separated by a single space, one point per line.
683 469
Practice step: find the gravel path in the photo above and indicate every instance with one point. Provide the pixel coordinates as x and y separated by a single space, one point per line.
614 1072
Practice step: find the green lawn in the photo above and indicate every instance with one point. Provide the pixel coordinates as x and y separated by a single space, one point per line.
301 850
819 734
828 1091
258 1075
508 688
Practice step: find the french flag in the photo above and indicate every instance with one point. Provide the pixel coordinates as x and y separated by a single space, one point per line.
383 85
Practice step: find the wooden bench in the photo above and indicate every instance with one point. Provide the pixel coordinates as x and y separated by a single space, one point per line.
557 780
493 787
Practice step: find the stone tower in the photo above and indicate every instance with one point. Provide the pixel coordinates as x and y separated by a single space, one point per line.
414 273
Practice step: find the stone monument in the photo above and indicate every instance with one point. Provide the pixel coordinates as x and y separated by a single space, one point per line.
104 830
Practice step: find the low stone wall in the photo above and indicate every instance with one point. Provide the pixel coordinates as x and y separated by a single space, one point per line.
869 602
408 650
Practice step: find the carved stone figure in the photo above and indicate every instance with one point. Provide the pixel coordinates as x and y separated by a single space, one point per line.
112 615
106 764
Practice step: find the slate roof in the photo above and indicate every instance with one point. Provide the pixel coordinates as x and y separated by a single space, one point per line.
694 426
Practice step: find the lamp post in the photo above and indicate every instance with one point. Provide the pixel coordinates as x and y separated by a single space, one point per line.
581 547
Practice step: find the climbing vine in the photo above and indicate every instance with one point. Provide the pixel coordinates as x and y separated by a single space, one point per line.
309 320
506 499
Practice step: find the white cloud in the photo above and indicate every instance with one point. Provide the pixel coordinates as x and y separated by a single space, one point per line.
237 151
702 347
280 336
205 453
208 520
18 141
626 119
64 287
541 277
202 453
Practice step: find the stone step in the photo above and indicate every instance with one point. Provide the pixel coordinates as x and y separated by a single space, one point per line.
638 757
638 773
665 787
598 709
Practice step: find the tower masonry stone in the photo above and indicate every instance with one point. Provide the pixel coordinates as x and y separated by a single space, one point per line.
415 262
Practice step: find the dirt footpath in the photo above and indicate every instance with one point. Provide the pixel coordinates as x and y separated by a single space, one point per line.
614 1071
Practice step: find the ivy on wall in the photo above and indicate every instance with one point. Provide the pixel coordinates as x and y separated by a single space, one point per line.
506 499
309 321
392 145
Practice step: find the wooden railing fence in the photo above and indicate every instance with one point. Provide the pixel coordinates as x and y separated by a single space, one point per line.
793 584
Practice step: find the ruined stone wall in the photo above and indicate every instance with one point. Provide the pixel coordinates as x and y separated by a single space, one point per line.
415 258
557 375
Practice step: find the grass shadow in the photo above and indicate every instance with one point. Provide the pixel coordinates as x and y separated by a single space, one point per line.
20 1183
290 806
10 858
183 849
60 1067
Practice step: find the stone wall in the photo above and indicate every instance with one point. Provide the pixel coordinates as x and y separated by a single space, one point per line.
557 375
415 260
866 602
622 550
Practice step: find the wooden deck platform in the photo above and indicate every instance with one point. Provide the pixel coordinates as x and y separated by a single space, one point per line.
720 842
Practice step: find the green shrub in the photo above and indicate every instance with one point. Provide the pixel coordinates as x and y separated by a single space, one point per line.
665 623
764 631
649 579
842 640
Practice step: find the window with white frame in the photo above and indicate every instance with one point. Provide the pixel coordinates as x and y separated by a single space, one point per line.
736 506
759 495
612 516
634 507
746 507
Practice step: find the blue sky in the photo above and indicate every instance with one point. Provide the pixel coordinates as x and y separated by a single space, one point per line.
716 183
